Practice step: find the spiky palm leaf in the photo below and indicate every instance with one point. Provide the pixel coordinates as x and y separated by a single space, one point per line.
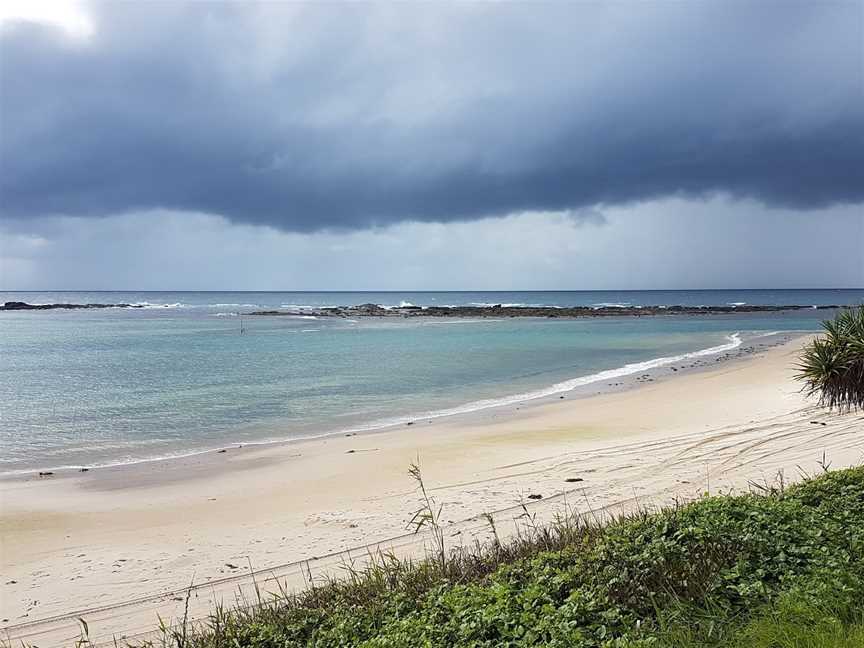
832 366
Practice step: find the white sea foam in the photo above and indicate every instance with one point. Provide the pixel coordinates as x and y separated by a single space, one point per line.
305 307
613 305
445 322
736 303
145 304
510 305
503 305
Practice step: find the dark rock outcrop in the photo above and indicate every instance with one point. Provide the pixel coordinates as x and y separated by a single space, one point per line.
374 310
18 306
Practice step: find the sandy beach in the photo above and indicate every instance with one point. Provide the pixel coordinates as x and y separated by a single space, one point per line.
117 546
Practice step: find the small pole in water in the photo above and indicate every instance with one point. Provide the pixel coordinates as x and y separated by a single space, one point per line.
242 330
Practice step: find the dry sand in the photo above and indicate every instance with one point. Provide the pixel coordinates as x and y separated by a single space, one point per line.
80 545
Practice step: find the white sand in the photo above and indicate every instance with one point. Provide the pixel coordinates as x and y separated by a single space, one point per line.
80 545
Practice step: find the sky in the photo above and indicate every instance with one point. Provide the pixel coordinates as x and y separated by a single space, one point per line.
292 146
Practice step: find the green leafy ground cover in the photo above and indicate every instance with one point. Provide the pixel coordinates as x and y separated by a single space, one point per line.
770 570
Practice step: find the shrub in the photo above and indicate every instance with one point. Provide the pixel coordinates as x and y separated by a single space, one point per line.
832 366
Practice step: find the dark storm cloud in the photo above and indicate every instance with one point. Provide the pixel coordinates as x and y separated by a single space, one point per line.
306 117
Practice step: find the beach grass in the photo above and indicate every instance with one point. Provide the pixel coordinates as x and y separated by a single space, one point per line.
775 568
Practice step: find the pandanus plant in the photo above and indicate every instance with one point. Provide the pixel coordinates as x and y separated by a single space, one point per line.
832 365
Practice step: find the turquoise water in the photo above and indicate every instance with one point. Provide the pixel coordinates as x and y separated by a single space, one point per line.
88 388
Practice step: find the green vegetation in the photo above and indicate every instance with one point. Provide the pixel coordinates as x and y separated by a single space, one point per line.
832 366
782 568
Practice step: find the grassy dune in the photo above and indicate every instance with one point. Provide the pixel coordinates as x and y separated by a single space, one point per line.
774 569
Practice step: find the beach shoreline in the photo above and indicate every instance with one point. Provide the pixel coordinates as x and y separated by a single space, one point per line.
197 459
78 542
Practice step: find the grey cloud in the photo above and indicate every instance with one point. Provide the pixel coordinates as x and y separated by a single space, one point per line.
308 117
664 244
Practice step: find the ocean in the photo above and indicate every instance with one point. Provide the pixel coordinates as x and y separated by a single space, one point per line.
176 377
